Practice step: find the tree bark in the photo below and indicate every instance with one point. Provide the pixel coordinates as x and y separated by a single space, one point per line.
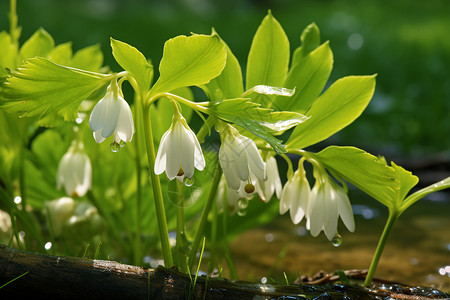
75 278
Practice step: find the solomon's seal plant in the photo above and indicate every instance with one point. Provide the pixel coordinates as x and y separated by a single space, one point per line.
283 108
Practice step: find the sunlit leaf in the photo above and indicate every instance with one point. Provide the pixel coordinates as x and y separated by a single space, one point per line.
310 39
45 89
229 83
39 44
8 51
89 59
255 119
367 172
133 61
308 77
406 182
268 59
336 108
61 54
189 61
269 90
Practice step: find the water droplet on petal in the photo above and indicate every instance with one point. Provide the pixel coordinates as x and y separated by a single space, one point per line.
336 240
122 143
188 181
115 147
242 204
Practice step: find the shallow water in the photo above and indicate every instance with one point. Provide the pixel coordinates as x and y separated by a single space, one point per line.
417 252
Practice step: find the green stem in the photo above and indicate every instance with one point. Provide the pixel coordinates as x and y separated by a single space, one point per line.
201 227
157 191
137 146
181 242
205 129
13 20
22 182
393 216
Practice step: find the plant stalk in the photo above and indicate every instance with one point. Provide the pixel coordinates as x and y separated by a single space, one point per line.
157 191
393 216
137 146
201 227
181 242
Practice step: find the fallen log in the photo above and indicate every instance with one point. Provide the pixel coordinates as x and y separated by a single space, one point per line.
75 278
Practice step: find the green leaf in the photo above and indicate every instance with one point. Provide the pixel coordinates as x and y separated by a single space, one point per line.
189 61
407 181
310 39
39 44
268 59
269 90
336 108
134 62
308 77
45 89
251 117
89 58
61 54
228 84
280 121
8 50
367 172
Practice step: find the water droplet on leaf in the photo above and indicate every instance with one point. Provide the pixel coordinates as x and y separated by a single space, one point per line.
115 147
336 240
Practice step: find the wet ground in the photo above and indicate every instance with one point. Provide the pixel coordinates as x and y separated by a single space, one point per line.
417 253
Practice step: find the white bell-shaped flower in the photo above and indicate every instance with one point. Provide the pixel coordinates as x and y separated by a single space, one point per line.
296 195
75 171
112 115
60 211
239 157
328 202
266 188
179 151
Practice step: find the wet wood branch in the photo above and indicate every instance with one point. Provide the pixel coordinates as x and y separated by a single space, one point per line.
76 278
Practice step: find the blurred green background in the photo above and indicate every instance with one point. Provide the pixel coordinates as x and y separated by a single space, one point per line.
405 42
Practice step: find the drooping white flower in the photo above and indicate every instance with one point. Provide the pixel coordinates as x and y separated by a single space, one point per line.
60 211
266 188
328 202
179 151
112 115
239 157
296 196
75 171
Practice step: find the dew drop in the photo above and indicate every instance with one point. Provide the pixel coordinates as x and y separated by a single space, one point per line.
337 240
188 181
122 144
115 147
242 204
241 212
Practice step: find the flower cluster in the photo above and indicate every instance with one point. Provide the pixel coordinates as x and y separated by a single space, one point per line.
245 172
321 206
